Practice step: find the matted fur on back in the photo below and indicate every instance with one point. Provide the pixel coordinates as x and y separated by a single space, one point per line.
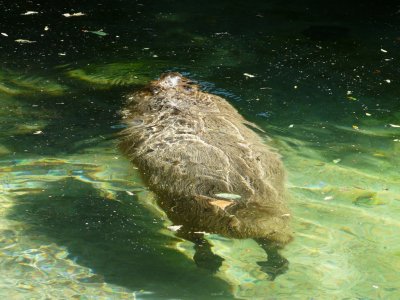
210 171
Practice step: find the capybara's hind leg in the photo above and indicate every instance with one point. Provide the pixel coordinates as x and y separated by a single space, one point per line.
276 264
203 256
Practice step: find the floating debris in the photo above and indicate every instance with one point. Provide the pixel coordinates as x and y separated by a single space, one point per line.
221 33
98 32
336 161
368 199
368 114
221 203
46 28
328 198
228 196
78 14
38 132
130 193
249 75
22 41
174 228
202 232
291 125
29 12
352 98
4 34
355 127
388 80
394 125
383 50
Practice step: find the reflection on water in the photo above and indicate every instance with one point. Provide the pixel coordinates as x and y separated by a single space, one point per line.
77 222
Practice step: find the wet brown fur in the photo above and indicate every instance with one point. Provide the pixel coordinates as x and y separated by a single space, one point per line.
191 145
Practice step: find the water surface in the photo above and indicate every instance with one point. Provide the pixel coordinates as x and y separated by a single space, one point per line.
73 224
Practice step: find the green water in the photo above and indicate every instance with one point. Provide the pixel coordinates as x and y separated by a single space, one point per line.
74 223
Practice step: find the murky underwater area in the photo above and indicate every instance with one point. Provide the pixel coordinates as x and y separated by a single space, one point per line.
322 79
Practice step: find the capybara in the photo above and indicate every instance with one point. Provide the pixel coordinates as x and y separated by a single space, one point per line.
209 168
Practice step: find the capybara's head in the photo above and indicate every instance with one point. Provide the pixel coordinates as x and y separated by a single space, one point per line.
173 81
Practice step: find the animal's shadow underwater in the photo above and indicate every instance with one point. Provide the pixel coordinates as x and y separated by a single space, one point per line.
211 172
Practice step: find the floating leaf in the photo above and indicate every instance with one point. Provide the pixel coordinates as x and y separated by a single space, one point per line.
78 14
174 227
228 196
98 32
368 199
249 75
29 12
22 41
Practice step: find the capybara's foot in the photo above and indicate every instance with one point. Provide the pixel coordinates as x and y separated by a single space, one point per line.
203 256
276 264
274 267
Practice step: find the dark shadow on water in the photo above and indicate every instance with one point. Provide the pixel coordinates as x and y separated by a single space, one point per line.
118 240
80 119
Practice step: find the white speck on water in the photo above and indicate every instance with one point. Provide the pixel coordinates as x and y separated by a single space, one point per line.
248 75
78 14
29 12
22 41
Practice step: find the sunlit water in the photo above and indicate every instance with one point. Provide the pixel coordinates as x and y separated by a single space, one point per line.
76 222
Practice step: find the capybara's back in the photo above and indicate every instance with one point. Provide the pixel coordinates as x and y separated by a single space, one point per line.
210 171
